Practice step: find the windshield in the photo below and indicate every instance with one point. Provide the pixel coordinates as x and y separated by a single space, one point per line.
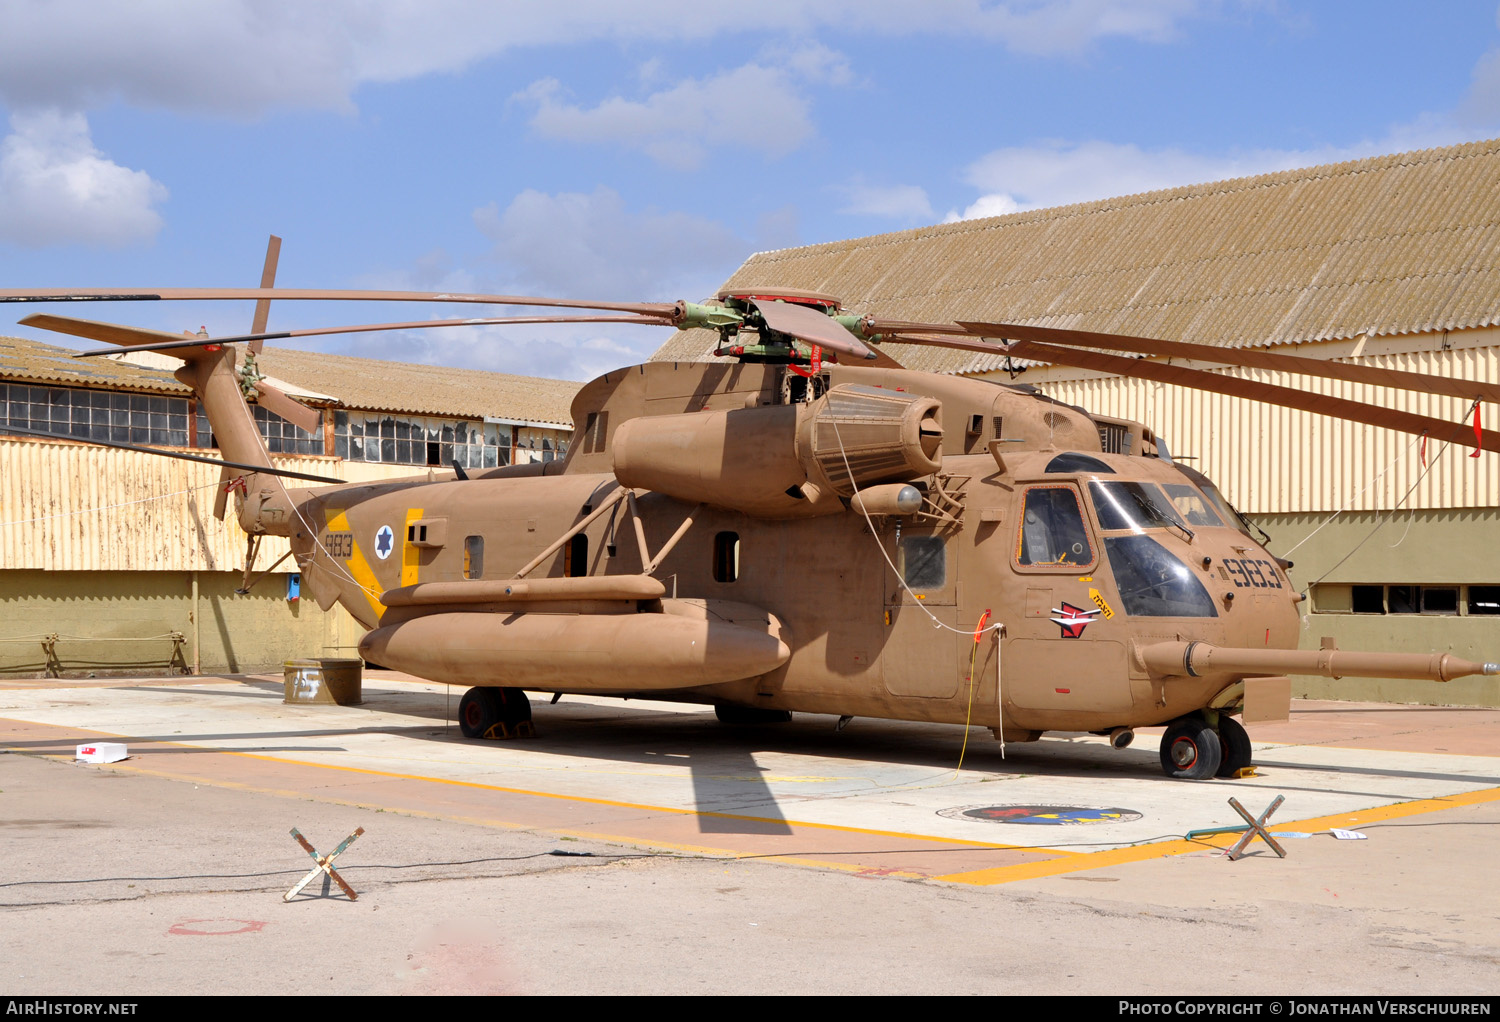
1132 506
1153 583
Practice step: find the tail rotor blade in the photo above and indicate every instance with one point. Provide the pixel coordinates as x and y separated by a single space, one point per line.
289 408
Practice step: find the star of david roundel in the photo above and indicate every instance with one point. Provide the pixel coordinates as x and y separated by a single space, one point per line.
385 542
1044 815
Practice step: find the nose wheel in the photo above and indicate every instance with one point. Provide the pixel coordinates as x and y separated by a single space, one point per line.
1191 749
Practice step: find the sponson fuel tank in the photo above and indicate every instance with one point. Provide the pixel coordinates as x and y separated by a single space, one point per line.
565 652
783 460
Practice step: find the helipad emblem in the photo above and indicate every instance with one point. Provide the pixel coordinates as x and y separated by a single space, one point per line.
1050 816
385 542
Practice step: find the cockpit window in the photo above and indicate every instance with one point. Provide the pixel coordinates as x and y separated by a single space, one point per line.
1052 530
1191 504
1152 582
1132 506
1226 510
1074 462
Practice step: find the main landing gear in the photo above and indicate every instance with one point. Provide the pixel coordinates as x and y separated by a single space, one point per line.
1195 749
495 713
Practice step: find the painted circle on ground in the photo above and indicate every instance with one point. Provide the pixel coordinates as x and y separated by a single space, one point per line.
216 927
385 542
1041 815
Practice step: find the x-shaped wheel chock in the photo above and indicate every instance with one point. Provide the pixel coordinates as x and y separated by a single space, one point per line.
325 864
1256 827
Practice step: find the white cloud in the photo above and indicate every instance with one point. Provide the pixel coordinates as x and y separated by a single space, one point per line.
56 188
243 57
674 125
896 202
589 245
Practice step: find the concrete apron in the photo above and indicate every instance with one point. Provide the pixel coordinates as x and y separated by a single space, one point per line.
881 798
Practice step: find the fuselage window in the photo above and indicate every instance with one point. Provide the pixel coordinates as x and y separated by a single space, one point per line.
1052 529
576 556
473 557
924 563
727 557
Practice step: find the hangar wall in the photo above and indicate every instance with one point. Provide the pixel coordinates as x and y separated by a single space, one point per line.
103 549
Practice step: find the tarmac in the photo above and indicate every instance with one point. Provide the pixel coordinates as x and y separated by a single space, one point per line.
641 847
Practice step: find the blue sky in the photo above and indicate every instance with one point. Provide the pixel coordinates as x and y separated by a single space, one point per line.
642 151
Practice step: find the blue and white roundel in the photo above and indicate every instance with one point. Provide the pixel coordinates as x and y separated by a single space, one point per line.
385 542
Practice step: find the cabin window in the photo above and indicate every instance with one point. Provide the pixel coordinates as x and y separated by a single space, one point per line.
1052 530
727 557
924 562
473 556
576 556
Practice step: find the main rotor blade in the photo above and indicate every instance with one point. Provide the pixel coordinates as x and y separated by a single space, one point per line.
1249 358
232 294
267 281
119 334
289 408
1287 397
813 327
173 454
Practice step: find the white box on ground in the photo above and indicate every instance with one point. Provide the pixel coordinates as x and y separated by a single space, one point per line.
101 752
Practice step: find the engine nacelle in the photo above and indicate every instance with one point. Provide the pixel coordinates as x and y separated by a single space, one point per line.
783 461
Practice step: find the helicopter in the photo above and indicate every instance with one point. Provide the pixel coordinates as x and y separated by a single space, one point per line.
805 526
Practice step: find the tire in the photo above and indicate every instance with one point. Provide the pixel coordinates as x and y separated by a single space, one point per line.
513 706
1190 749
731 714
1235 744
478 711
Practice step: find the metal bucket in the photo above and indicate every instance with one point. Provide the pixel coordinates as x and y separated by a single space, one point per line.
330 682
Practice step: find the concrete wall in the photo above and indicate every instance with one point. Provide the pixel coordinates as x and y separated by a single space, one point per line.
1425 547
115 623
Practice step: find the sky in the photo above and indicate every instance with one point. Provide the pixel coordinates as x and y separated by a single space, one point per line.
640 152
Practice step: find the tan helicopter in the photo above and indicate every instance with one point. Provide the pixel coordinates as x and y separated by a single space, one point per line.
808 526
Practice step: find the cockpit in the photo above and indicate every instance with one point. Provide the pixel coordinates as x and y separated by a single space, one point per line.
1130 519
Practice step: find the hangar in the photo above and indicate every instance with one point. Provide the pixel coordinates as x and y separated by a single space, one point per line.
112 561
1392 261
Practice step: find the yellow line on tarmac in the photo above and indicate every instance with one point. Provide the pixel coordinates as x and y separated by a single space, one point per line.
1167 849
670 810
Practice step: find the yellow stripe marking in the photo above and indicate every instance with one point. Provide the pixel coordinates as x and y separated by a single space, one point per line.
1166 849
358 566
410 552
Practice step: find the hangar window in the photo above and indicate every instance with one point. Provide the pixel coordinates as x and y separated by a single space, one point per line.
727 557
1440 600
96 414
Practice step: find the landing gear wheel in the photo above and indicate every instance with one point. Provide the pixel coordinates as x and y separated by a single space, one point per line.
1235 744
730 714
482 708
478 711
515 707
1191 749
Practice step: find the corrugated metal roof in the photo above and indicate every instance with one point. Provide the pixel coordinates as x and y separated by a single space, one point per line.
423 389
353 382
1388 245
22 359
